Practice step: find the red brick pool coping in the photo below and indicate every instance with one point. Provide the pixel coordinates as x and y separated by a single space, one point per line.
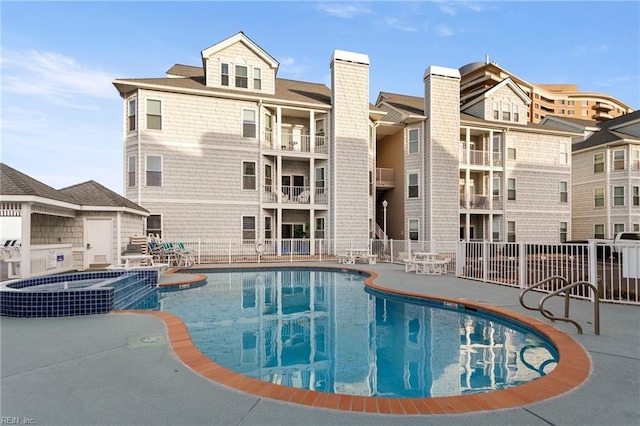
572 369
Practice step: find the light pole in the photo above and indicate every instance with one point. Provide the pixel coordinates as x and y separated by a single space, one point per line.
385 203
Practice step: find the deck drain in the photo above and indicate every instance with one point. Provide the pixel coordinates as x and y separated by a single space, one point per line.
144 342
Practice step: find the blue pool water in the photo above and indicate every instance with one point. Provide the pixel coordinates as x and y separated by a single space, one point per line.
319 329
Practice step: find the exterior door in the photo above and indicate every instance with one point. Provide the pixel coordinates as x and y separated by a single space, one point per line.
99 241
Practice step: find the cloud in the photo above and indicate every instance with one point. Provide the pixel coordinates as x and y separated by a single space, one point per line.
444 31
54 77
397 24
452 7
291 67
344 10
593 49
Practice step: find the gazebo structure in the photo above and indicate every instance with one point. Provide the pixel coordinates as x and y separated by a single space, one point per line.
71 229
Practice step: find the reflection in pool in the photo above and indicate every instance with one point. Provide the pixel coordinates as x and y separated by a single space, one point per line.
320 330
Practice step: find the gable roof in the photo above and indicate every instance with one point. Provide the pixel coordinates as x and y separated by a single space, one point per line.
506 82
91 193
612 132
15 183
622 121
241 38
407 106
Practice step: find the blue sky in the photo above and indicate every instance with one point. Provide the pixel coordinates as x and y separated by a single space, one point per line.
61 116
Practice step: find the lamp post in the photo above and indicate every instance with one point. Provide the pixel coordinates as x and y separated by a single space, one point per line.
385 203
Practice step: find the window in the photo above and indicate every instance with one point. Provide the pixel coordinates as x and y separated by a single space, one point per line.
511 147
131 171
413 185
131 115
516 115
242 79
496 111
224 74
585 103
506 111
570 103
371 183
570 112
636 196
511 231
268 178
618 227
511 153
511 189
248 123
154 170
635 162
618 159
320 193
561 111
248 227
618 195
560 101
563 158
413 141
496 188
496 230
636 227
585 113
154 114
319 227
248 175
564 192
563 232
154 225
598 197
257 79
268 231
413 229
598 231
598 162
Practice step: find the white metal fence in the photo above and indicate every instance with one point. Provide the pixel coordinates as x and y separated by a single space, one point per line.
614 269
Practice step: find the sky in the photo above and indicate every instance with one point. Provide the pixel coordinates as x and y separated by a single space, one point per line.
61 117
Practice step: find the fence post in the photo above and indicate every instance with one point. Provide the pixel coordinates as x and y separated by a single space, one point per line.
485 261
522 265
593 269
461 258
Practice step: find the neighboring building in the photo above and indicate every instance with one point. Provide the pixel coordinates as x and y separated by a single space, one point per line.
480 173
605 176
230 151
555 99
73 228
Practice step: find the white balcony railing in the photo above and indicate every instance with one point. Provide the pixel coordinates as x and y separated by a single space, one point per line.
294 195
289 142
480 158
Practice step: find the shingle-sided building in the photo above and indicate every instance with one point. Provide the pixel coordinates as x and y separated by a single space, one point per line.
230 151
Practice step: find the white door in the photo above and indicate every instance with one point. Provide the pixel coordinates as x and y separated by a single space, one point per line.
99 241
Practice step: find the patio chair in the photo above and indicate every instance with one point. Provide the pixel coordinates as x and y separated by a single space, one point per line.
185 255
303 198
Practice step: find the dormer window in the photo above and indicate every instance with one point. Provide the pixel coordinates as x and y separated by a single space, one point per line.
224 74
242 79
257 79
506 111
516 115
496 111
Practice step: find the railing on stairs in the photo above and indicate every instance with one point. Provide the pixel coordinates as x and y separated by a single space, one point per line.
566 287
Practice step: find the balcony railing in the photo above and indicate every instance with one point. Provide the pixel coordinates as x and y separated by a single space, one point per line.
294 143
600 106
480 158
385 178
294 195
481 202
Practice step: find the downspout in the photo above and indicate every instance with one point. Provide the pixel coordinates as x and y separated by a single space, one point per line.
259 172
139 166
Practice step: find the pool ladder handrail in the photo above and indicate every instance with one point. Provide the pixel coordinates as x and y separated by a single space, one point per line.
564 289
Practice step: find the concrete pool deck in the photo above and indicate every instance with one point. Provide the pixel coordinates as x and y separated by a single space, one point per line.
119 369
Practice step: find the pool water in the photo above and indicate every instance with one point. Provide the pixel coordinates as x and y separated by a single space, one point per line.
320 330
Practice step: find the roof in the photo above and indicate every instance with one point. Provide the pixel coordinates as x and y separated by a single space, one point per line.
91 193
13 182
607 135
410 105
618 121
242 38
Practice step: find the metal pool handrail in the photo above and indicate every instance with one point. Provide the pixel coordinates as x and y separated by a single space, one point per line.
565 289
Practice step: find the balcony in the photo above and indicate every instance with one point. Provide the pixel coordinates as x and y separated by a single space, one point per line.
294 195
602 116
601 106
480 158
480 202
290 142
385 178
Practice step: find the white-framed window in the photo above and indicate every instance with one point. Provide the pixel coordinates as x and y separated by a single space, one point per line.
511 189
598 230
495 230
585 103
248 227
268 231
636 227
516 115
564 191
414 235
618 159
598 197
636 195
561 111
570 103
571 112
413 141
319 227
496 110
511 231
257 79
153 170
224 74
618 227
153 225
511 147
563 232
506 110
268 178
320 182
560 101
248 123
496 188
154 114
242 76
585 113
132 166
563 157
413 188
635 159
598 162
131 115
248 175
618 195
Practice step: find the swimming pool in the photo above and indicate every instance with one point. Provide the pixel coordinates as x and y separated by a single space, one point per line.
317 329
